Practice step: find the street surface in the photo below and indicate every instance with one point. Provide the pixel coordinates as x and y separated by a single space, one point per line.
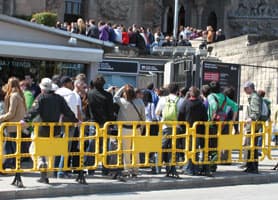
246 192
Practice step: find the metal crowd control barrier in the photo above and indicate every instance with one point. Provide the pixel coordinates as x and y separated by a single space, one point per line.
50 142
272 142
219 143
128 147
121 145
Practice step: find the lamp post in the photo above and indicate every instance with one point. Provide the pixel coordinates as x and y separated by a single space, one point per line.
176 20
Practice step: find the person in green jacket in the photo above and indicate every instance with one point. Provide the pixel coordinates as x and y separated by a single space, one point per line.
216 99
28 95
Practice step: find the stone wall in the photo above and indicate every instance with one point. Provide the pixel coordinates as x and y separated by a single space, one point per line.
259 60
252 16
28 7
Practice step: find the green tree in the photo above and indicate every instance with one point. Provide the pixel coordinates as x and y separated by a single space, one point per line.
46 18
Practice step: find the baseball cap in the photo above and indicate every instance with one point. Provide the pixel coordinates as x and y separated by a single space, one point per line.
249 84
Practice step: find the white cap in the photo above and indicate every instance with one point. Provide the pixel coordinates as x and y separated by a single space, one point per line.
46 84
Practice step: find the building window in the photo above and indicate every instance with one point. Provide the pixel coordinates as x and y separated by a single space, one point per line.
72 7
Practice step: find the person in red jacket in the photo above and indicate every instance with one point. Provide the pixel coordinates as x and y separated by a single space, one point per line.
125 36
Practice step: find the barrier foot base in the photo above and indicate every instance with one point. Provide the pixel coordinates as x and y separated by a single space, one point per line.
17 181
275 167
81 178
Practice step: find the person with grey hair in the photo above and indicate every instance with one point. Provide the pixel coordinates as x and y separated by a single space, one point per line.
253 114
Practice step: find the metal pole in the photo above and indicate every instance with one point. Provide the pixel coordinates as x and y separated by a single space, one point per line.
176 20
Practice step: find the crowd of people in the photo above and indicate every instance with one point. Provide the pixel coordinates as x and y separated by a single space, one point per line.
139 36
68 99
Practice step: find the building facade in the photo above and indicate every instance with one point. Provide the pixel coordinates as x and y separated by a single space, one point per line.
237 17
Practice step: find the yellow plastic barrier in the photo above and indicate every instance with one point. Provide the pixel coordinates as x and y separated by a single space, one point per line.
219 143
272 141
50 147
145 150
125 146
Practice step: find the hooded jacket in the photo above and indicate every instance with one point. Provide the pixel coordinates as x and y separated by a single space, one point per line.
192 110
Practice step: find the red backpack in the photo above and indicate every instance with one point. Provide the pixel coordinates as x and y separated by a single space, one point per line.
219 114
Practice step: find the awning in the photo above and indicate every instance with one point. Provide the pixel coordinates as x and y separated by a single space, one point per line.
50 52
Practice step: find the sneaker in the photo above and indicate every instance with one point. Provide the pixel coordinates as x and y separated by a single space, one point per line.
134 175
251 171
43 180
91 172
189 173
121 178
62 175
242 166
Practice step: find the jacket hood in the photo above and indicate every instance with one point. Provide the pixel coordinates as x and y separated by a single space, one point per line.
194 103
64 91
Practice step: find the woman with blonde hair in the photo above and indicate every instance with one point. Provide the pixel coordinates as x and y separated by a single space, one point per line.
14 111
81 26
130 109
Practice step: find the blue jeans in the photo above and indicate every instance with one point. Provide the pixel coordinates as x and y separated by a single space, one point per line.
91 147
61 162
10 148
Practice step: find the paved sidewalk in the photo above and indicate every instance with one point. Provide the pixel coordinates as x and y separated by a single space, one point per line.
226 175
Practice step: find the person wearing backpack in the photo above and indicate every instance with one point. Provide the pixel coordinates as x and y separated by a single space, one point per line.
229 92
253 114
265 113
265 107
218 104
168 107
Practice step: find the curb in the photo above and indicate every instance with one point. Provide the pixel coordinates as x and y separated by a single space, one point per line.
151 184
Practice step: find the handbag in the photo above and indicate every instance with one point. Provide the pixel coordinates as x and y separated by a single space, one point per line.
140 117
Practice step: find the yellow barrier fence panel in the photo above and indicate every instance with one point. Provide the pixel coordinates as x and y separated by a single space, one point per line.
218 142
272 142
11 161
175 143
111 155
143 142
50 141
251 145
50 146
1 148
89 145
60 146
122 144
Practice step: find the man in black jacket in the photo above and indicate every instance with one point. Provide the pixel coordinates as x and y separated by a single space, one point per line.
48 107
100 103
192 110
93 29
101 111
